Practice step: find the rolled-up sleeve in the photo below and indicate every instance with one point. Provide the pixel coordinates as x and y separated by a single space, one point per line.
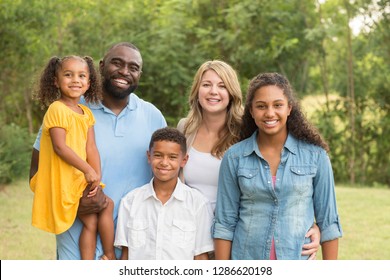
228 199
325 205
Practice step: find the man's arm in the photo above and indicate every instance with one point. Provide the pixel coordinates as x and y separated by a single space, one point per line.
34 162
204 256
93 204
125 253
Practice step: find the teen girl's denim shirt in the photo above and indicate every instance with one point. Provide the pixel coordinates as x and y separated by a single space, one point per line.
250 212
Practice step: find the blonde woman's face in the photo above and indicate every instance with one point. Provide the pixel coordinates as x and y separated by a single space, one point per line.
213 95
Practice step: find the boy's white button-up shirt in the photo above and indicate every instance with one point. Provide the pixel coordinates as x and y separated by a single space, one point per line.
176 230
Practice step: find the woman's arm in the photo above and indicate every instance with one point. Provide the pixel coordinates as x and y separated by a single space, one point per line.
330 249
222 249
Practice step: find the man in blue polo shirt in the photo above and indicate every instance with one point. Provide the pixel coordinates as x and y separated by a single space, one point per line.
123 128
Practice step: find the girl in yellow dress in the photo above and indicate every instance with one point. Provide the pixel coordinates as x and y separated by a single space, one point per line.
69 160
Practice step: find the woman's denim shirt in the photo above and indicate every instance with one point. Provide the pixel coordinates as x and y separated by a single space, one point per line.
250 211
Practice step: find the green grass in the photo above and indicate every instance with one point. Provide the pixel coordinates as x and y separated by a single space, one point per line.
19 239
364 215
365 219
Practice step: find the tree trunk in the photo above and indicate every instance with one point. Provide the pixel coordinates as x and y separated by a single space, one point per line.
351 97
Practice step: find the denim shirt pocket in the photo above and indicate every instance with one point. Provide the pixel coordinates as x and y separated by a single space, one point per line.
302 178
137 233
246 178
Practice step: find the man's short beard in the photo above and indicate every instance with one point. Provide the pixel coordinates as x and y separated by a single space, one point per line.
109 89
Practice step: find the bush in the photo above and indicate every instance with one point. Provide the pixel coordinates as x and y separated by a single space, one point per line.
15 151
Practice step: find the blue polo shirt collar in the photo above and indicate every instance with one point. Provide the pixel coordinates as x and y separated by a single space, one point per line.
131 104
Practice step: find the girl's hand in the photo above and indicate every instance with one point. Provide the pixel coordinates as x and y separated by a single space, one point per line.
92 177
93 191
312 247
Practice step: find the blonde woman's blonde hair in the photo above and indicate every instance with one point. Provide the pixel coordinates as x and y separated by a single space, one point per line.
230 133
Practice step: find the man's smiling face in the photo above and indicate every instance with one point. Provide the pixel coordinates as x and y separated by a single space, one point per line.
121 70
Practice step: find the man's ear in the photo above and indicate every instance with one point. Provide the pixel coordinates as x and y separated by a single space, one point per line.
101 65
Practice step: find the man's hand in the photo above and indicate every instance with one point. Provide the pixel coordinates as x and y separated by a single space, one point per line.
94 204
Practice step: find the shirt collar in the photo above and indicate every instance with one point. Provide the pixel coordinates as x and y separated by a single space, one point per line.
252 147
178 193
131 104
291 144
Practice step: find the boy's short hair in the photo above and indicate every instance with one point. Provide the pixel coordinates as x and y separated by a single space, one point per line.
169 134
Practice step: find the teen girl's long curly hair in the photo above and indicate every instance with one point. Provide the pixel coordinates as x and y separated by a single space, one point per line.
46 92
297 124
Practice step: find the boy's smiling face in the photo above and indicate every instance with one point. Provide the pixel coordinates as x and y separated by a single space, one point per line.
166 159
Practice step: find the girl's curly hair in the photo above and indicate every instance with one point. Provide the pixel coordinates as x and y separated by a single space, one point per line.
297 124
46 91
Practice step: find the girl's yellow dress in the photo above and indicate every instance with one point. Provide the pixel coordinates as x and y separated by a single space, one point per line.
57 185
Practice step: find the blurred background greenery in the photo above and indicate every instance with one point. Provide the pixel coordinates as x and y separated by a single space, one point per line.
336 54
336 50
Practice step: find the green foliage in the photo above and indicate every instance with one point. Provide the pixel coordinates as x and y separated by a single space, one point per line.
15 151
303 39
372 165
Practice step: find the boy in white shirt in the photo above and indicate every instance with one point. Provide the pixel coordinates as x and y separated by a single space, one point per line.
165 219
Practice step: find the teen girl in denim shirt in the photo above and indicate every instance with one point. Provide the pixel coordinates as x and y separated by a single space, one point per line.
276 182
